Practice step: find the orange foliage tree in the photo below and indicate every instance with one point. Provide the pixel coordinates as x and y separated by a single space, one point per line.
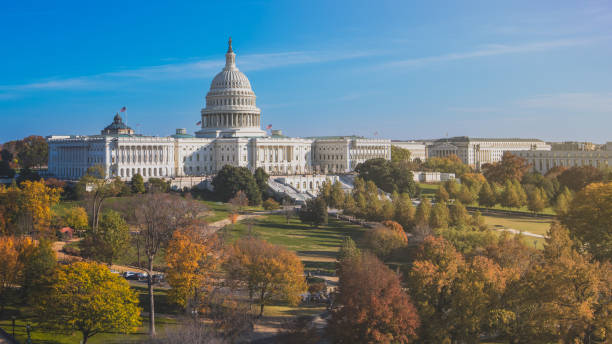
267 271
373 306
191 263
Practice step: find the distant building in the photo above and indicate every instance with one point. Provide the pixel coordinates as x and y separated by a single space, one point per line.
479 151
543 161
418 150
230 134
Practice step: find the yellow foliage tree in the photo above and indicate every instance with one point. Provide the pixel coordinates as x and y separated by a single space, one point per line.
10 267
267 271
76 218
191 262
36 202
88 298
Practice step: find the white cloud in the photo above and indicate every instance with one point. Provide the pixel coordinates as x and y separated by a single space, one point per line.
492 50
186 70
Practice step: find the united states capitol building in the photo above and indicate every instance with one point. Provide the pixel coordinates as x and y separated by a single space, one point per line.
230 134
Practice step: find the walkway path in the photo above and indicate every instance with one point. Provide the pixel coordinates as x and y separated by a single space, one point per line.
516 231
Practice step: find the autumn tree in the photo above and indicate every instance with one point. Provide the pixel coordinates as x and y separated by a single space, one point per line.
577 177
35 204
563 201
158 216
373 307
399 154
510 197
271 204
465 195
76 218
383 240
239 201
10 268
268 272
430 280
588 219
336 198
511 167
32 151
459 216
449 164
191 262
88 298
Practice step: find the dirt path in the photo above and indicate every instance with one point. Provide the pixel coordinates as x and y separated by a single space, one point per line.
516 231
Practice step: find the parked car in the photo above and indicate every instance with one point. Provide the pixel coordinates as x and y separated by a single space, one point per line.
130 275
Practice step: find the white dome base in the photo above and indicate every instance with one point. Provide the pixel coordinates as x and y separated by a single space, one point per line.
230 132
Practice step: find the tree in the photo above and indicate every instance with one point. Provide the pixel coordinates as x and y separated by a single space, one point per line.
138 186
98 189
261 178
158 216
430 282
109 240
88 298
158 185
39 265
511 167
423 213
382 241
439 216
465 195
336 198
577 177
373 306
588 219
32 151
231 179
348 250
448 164
442 195
271 204
510 197
536 200
399 154
35 204
487 196
76 218
387 175
191 262
10 268
563 201
267 271
404 211
239 201
314 212
459 216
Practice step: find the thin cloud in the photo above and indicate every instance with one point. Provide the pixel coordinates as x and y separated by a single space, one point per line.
186 70
492 50
578 102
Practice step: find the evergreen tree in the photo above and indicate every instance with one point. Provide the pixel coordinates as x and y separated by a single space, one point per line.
536 200
423 211
459 215
510 197
439 216
138 184
442 195
563 201
487 196
404 211
231 179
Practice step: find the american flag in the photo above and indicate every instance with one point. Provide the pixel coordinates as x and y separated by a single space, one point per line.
123 109
269 126
199 122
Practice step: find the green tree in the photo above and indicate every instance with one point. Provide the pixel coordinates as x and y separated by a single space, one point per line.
158 185
404 211
478 221
94 186
465 195
399 154
387 175
459 216
261 178
231 179
33 151
563 201
39 266
138 184
112 236
510 197
487 196
536 200
76 218
348 250
442 195
314 212
439 216
588 219
337 196
88 298
423 213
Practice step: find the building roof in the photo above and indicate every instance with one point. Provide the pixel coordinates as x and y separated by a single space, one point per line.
494 139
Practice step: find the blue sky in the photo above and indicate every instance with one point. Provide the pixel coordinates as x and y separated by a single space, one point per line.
404 69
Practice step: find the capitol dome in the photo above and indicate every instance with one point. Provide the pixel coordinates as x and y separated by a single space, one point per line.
230 110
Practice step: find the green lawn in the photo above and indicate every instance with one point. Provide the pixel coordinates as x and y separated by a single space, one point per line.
428 190
520 223
317 247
